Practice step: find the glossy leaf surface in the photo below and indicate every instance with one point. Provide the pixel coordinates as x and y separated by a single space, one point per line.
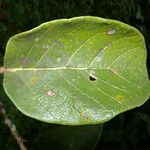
83 70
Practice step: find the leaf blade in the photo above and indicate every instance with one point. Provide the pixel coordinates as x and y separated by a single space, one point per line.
56 76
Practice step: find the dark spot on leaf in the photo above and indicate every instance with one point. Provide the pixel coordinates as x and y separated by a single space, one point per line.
92 78
111 32
51 93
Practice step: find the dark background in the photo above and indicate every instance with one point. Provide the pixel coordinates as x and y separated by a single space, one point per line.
128 131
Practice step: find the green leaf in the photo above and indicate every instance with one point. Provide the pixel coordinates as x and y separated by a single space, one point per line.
83 70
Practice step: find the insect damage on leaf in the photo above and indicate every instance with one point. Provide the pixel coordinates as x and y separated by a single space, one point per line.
92 78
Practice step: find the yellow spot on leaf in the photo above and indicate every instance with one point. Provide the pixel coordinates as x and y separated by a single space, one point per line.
119 97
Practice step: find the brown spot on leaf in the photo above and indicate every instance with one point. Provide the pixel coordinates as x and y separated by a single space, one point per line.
33 80
85 116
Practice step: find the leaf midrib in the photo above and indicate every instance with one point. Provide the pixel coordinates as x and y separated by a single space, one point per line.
61 68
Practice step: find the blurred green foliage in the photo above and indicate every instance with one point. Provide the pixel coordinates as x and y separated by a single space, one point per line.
130 130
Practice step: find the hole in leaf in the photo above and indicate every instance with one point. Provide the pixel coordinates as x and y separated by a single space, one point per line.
92 78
